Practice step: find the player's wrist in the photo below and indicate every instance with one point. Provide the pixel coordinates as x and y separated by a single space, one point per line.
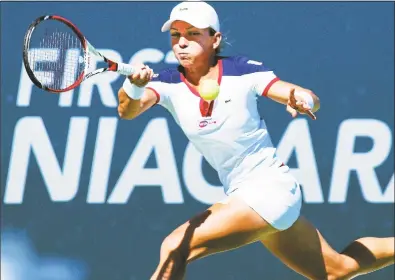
133 91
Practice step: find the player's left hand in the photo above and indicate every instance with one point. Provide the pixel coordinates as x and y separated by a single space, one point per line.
297 105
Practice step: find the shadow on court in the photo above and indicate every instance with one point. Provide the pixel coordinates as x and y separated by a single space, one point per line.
184 246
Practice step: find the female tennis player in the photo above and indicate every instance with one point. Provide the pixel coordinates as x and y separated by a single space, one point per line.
263 199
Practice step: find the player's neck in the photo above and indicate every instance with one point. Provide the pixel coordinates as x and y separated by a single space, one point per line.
206 70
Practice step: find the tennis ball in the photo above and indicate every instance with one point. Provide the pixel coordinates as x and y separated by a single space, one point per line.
208 89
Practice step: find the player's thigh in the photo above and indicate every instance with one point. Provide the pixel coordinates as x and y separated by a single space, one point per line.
303 248
222 227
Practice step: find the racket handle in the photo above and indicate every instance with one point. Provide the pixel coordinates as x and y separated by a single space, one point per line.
125 69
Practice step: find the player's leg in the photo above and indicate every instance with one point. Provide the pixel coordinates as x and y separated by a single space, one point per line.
371 253
303 248
260 206
222 227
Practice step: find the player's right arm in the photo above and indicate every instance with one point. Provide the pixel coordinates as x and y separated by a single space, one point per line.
129 107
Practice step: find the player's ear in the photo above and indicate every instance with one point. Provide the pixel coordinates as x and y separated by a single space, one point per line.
217 40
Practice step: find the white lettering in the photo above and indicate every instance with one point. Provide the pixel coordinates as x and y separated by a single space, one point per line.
30 135
24 89
171 58
155 137
364 164
147 55
101 164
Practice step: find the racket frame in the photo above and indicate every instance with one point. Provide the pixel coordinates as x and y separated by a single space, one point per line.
88 49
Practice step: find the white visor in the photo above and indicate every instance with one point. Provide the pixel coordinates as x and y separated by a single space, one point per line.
199 14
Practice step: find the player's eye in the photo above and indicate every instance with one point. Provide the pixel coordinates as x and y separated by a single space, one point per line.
175 35
194 33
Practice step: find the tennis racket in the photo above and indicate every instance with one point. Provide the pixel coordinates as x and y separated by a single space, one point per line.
57 56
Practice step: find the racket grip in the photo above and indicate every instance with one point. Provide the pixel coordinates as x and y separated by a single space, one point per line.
125 69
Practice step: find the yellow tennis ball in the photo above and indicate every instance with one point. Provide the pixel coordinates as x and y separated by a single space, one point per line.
208 89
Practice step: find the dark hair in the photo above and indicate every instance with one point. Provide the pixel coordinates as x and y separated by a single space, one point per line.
221 45
211 31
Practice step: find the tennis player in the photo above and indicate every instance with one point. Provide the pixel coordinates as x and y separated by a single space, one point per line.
263 199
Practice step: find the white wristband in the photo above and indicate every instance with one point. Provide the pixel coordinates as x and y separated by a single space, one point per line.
306 98
132 90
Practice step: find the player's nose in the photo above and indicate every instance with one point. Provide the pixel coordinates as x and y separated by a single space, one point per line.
183 42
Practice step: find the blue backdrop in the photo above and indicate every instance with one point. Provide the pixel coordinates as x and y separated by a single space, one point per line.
88 196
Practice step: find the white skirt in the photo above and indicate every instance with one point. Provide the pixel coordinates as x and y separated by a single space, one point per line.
273 193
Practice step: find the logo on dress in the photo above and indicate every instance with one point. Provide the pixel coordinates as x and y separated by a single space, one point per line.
208 121
203 124
254 62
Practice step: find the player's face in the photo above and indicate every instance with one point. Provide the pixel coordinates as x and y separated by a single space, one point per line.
190 44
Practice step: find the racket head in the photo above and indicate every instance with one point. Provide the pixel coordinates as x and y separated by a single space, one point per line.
54 54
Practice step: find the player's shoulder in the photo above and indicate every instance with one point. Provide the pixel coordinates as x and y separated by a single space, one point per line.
242 65
169 75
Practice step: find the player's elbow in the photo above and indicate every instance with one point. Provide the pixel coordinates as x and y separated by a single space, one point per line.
124 106
125 112
125 115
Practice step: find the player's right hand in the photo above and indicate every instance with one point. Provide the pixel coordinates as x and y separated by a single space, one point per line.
142 76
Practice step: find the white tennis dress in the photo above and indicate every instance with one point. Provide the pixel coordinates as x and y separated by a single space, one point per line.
233 137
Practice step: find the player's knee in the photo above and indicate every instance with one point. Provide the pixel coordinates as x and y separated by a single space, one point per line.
335 268
340 268
173 247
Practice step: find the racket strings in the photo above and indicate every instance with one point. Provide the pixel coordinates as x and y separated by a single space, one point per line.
57 59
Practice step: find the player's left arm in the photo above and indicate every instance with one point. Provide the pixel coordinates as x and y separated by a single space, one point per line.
264 81
280 91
